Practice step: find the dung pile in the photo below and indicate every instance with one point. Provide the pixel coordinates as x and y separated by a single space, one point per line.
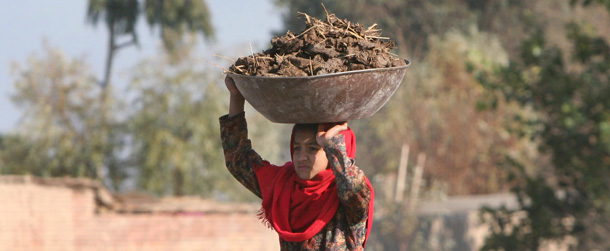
324 47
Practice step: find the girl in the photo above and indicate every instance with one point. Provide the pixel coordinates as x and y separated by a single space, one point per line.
318 201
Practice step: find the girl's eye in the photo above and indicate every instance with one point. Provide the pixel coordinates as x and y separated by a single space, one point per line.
297 148
313 149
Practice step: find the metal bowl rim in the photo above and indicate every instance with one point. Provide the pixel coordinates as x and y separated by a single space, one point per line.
408 63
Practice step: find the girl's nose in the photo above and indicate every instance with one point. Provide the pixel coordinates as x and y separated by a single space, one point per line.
302 157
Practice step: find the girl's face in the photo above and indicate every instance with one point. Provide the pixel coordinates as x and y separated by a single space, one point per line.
309 158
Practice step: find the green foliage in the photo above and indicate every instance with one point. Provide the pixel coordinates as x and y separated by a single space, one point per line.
173 137
58 135
493 86
166 141
444 42
121 15
547 108
605 3
173 18
440 108
411 23
174 127
174 131
460 145
571 197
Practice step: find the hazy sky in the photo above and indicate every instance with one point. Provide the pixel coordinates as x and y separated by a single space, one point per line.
25 24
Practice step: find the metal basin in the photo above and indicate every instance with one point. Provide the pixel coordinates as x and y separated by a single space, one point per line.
332 97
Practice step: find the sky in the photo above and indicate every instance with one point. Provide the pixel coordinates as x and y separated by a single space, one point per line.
26 25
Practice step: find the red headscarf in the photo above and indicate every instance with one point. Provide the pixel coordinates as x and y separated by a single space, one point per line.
298 209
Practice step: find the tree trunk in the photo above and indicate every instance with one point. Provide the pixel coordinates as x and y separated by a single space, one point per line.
178 180
104 103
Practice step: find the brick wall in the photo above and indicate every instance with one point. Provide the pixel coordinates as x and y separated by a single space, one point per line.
79 214
73 214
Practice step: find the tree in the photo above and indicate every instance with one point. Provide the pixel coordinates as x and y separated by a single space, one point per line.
167 142
58 136
174 129
411 23
173 122
173 18
427 111
567 200
439 109
87 135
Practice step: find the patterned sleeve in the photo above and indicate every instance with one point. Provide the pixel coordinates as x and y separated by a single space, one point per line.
352 189
239 155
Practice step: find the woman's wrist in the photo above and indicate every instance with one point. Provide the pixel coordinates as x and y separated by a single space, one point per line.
236 104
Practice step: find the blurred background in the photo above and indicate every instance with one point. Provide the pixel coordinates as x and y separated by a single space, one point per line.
497 139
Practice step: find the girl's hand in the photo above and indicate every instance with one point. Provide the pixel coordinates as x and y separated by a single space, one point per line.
232 87
236 101
324 136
